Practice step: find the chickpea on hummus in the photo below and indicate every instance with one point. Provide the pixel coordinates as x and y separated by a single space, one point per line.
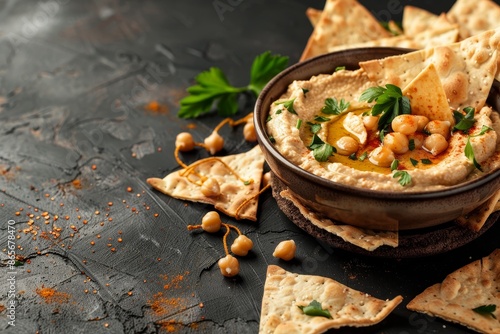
356 130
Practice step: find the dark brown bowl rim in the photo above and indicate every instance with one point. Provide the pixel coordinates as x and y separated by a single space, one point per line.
378 194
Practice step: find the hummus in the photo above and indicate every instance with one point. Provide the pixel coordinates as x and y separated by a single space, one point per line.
294 115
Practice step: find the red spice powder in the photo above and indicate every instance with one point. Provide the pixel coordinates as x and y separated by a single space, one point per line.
51 295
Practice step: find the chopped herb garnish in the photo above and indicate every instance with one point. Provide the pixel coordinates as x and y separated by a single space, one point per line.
486 310
305 91
213 88
279 111
318 118
381 135
464 123
18 263
269 118
394 164
339 68
411 144
353 156
314 309
426 161
469 153
404 177
247 182
390 103
321 150
315 127
272 140
299 123
484 129
288 104
334 107
363 156
414 162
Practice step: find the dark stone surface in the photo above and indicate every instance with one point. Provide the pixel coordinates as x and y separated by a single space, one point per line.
74 79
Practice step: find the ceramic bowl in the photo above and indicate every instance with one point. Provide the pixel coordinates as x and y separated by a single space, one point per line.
364 207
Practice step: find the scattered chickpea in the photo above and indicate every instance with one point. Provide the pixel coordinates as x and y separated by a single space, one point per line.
184 141
241 245
440 127
285 250
214 143
405 124
229 266
435 144
396 142
210 188
421 122
382 156
211 222
370 122
347 145
249 131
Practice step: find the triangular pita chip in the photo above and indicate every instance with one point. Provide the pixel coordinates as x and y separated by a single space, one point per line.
476 219
284 292
417 20
466 69
342 22
233 191
364 238
427 96
472 286
475 16
313 15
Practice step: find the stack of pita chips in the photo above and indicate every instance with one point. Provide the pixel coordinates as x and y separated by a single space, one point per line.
346 24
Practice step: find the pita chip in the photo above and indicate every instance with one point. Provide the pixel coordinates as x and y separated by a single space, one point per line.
466 69
284 292
234 190
427 96
313 15
476 219
363 238
475 16
473 286
417 20
342 22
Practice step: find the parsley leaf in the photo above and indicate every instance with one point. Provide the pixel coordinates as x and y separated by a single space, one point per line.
315 127
321 150
414 162
314 309
363 156
305 91
464 123
334 107
390 103
288 105
485 310
404 177
469 153
426 161
318 118
299 123
411 144
394 164
213 88
339 68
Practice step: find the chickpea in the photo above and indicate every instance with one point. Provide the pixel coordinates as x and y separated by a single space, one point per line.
370 122
421 122
418 140
382 156
229 266
266 179
405 124
211 222
241 245
440 127
210 188
435 144
184 141
214 143
347 145
249 132
396 142
285 250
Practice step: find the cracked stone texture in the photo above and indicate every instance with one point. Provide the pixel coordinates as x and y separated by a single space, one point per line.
74 135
